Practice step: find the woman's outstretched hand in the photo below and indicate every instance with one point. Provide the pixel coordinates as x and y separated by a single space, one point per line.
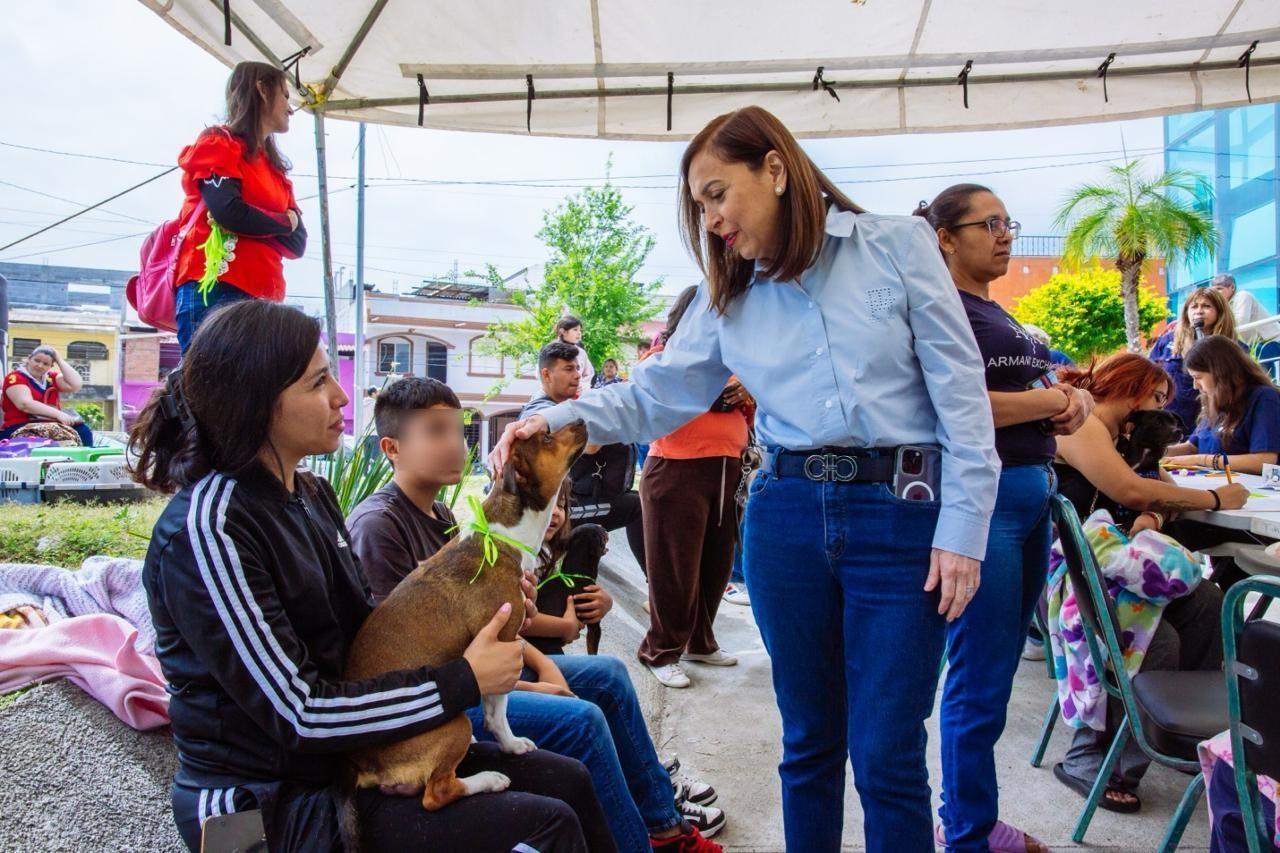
520 429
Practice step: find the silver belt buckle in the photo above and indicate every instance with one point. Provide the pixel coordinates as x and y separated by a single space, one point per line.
831 466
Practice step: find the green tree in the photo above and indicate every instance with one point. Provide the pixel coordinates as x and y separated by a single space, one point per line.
596 252
1131 218
1083 311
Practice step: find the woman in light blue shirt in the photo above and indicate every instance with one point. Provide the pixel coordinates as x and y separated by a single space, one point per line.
846 327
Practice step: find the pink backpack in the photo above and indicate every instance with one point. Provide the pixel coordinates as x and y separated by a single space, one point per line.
151 291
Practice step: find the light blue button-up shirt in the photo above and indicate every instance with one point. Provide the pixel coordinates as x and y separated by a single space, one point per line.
870 349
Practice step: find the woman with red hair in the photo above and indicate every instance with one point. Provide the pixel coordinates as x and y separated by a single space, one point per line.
1093 475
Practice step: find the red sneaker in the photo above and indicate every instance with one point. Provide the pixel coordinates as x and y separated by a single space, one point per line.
690 842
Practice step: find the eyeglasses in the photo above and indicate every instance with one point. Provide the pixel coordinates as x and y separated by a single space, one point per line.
998 227
1161 398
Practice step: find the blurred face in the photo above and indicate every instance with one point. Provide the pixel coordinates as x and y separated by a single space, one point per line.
572 336
276 109
740 206
1202 311
308 416
431 447
973 250
38 365
1155 400
1227 290
1203 382
557 521
610 370
561 381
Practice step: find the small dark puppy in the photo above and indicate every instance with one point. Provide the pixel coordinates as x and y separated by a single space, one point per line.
587 544
1144 436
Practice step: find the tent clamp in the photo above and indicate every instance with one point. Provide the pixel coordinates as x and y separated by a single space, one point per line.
825 84
1102 72
963 80
1243 62
424 98
226 22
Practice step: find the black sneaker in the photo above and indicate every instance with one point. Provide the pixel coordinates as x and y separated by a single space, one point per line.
672 766
705 819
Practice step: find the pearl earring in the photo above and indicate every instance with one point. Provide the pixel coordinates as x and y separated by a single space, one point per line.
777 190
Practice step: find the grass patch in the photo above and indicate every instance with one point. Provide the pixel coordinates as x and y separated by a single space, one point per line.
64 534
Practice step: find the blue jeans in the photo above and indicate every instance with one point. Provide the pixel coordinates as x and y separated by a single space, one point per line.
739 559
837 574
191 308
605 730
984 648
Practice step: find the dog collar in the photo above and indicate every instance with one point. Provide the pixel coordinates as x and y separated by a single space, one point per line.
479 525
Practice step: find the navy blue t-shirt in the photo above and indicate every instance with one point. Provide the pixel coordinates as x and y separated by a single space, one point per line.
1013 360
1259 431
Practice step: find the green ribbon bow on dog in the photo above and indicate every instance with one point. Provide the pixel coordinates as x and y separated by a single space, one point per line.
480 526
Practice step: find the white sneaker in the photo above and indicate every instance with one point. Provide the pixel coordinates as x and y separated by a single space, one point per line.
707 819
670 675
688 789
716 658
1033 650
736 593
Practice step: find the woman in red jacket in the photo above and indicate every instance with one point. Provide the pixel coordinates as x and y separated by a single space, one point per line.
252 220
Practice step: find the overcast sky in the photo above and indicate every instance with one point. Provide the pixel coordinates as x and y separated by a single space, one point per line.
108 78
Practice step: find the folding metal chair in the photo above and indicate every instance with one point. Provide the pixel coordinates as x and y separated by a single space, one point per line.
1251 651
1167 713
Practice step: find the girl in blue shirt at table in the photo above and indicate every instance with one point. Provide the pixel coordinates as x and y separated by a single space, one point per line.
1240 419
849 331
984 645
1205 312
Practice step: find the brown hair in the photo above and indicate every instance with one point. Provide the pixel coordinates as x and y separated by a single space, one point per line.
1234 374
553 550
950 206
245 107
747 136
215 411
1185 335
1123 376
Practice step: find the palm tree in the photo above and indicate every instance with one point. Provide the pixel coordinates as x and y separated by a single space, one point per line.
1131 218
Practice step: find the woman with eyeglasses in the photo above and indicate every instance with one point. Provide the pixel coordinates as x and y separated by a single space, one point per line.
1029 407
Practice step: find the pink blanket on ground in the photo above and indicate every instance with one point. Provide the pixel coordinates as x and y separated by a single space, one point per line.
96 653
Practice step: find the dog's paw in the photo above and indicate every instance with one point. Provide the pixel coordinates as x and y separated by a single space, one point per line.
486 782
517 746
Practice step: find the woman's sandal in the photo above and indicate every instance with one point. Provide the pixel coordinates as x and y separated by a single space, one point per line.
1004 838
1083 788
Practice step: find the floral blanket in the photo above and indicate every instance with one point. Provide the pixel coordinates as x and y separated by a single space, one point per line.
1143 574
1218 748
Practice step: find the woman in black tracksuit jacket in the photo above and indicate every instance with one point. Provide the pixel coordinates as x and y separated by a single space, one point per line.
256 599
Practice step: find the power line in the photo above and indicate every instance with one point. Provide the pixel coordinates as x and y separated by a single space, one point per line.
69 201
89 208
68 248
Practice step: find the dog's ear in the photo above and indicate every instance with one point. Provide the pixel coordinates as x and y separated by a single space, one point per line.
512 479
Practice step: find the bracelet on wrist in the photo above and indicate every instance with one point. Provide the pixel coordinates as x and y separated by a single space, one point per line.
1217 501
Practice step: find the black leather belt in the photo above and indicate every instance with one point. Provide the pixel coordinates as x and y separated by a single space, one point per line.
834 464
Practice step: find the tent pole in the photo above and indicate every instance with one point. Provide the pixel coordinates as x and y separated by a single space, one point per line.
326 248
357 387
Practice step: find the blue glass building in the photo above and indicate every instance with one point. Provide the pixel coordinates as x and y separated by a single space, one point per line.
1236 151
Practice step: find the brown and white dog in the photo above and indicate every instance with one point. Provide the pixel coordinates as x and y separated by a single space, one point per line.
436 611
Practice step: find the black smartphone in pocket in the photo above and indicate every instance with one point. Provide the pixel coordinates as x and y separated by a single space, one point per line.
918 473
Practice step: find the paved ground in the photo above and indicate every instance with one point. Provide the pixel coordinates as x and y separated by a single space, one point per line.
76 779
726 728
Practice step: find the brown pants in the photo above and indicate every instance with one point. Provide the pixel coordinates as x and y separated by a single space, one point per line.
690 530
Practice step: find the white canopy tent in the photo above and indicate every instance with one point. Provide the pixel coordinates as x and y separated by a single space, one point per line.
660 69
